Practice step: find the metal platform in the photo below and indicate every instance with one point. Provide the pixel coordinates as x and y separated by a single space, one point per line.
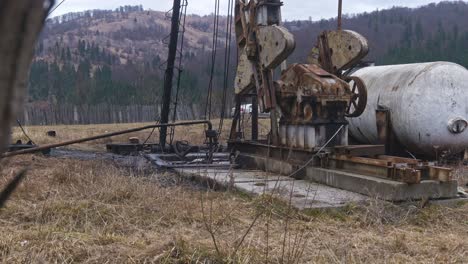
334 178
192 160
20 146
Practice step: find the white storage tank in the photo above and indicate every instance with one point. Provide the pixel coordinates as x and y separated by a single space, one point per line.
428 104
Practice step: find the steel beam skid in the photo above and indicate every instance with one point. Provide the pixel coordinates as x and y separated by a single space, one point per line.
361 169
368 160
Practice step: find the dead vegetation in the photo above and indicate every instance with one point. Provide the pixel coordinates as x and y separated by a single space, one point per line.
193 134
461 174
93 212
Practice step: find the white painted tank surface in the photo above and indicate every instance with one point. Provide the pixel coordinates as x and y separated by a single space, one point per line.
428 103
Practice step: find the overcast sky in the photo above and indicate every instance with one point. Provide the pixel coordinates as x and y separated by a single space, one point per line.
292 10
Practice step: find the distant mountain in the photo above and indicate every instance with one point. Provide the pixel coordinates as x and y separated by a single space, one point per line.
129 33
117 56
400 35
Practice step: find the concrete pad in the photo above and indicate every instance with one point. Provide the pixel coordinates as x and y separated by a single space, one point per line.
381 188
303 194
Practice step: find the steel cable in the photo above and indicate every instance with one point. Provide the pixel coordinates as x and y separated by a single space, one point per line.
179 68
24 132
213 61
227 61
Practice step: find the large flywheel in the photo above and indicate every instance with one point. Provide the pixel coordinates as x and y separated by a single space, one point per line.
358 101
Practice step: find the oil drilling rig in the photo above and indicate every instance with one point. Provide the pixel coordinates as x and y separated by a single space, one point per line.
311 106
314 107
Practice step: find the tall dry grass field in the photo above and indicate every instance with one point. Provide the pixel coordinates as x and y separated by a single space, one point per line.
72 211
193 134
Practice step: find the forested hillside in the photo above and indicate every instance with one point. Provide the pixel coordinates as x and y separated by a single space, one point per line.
401 35
117 57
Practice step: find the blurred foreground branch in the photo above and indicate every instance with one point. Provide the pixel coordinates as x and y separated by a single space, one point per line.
21 22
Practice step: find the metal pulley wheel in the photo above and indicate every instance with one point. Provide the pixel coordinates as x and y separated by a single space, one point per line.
358 101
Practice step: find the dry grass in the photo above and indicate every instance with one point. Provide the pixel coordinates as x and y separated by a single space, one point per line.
461 174
94 212
88 211
193 134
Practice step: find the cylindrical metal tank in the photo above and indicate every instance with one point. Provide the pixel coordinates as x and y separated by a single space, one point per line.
428 105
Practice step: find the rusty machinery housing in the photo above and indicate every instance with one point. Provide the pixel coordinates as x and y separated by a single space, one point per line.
315 102
310 95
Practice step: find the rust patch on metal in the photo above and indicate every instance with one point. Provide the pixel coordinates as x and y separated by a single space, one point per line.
440 174
427 68
306 91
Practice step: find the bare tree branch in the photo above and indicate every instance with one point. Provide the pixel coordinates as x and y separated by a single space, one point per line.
20 24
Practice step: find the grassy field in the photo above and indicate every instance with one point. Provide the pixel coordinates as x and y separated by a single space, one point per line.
193 134
70 211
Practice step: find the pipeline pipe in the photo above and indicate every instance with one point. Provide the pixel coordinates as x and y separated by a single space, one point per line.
107 135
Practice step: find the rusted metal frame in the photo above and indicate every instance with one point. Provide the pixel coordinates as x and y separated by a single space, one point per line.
355 167
385 168
366 161
241 24
252 54
440 174
296 156
271 102
263 77
252 49
384 130
254 118
426 170
107 135
406 174
361 150
395 159
269 90
264 84
234 135
260 91
325 53
163 161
